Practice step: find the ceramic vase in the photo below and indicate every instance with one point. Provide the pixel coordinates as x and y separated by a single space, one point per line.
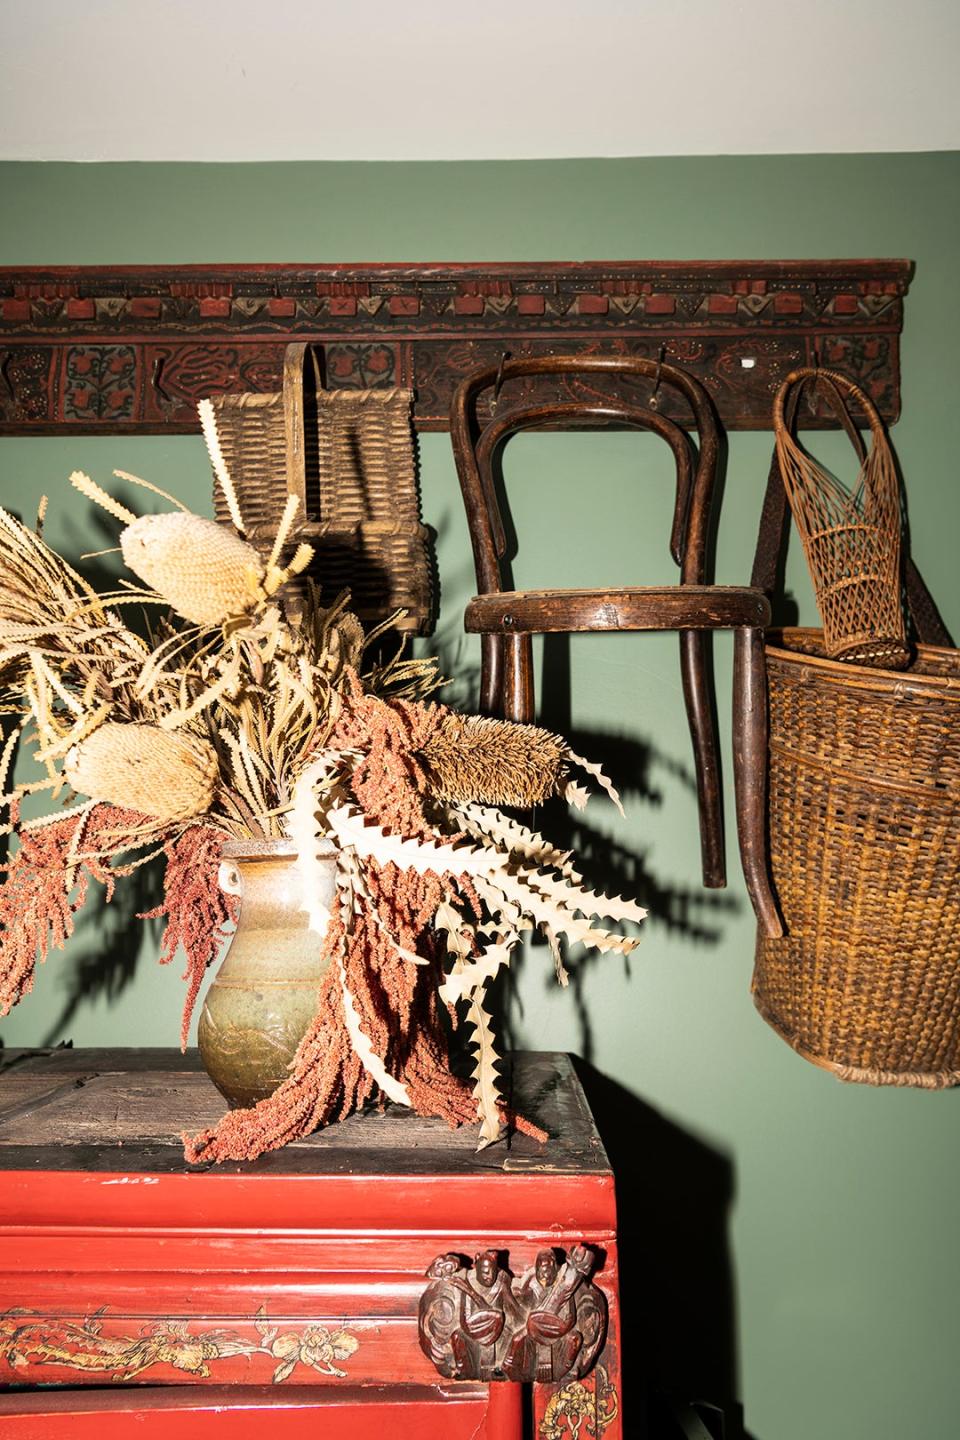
264 995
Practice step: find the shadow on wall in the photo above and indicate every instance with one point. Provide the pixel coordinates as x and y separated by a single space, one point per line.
632 763
106 947
678 1308
674 1193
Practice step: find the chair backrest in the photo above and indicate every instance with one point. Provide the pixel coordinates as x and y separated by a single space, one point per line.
478 443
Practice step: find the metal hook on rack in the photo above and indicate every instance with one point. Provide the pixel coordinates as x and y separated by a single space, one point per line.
5 376
653 402
505 356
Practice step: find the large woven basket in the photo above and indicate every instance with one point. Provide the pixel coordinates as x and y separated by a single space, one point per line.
864 812
851 538
350 457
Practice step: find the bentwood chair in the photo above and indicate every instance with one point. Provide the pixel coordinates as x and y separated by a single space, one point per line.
506 619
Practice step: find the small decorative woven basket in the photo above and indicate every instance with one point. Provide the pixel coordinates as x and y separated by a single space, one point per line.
851 538
864 824
350 457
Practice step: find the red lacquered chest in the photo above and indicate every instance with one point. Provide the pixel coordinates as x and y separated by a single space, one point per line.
294 1293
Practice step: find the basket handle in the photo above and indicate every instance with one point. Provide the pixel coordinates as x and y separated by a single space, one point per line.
294 384
839 391
775 515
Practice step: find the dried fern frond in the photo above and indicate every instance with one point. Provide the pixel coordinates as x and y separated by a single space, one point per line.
494 762
143 768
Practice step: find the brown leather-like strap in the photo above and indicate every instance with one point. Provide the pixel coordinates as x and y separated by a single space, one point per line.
774 517
927 620
294 382
775 520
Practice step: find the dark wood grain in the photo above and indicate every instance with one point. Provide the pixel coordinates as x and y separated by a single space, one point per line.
125 1109
540 612
750 737
112 349
507 618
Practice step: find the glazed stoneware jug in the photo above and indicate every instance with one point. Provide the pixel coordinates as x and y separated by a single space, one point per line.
264 995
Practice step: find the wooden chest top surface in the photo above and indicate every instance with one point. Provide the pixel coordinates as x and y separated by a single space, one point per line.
124 1110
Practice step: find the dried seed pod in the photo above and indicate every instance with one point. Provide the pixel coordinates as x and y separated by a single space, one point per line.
494 762
205 571
171 776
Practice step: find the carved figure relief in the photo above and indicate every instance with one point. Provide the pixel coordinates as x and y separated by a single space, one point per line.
477 1324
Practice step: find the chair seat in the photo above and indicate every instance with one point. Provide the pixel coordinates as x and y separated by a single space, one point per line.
647 607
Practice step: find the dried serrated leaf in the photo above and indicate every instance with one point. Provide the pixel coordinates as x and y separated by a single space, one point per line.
545 910
577 897
563 977
598 775
302 828
475 974
460 936
423 856
485 1075
483 821
576 795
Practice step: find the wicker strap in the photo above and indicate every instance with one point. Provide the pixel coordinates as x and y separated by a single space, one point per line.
294 379
775 516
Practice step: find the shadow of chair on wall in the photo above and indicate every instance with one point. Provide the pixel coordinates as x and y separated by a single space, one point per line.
674 1191
678 1301
638 769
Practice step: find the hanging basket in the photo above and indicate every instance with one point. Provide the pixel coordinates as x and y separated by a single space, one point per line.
350 457
851 539
864 827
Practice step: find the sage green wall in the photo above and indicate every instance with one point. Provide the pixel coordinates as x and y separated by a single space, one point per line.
843 1228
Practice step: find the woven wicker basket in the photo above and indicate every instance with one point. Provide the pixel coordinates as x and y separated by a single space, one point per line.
350 456
851 538
864 810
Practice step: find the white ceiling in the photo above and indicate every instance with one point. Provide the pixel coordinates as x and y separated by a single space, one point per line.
447 80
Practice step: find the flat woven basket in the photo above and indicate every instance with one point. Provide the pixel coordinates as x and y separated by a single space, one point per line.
864 825
350 457
851 538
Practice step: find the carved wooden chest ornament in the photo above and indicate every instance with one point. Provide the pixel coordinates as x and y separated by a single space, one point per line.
476 1324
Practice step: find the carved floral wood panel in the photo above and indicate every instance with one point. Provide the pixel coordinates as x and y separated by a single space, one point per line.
105 350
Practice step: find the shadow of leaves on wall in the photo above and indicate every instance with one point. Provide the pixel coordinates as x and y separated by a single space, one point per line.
106 947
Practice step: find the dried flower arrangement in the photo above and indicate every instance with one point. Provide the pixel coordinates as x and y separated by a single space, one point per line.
237 717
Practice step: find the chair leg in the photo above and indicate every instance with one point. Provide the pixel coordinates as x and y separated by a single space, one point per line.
703 733
516 695
750 734
491 673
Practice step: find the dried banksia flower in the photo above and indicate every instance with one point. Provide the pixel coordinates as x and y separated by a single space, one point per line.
493 762
204 570
171 776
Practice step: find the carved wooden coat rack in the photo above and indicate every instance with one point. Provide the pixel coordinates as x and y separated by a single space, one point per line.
102 350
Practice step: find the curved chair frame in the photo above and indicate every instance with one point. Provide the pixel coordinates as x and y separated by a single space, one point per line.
506 620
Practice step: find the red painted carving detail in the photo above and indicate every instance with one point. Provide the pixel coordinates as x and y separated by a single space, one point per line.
213 329
100 382
180 375
361 367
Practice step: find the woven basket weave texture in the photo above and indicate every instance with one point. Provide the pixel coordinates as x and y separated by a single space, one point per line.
851 538
356 472
864 817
